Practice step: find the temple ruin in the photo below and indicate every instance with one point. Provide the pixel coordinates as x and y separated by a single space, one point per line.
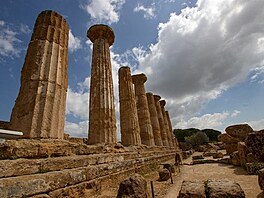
102 120
39 109
129 125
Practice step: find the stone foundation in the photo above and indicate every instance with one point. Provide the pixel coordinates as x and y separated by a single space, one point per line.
59 168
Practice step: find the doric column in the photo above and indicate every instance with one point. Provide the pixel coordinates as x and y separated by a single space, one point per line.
130 132
146 132
171 130
102 120
169 134
163 131
39 109
154 119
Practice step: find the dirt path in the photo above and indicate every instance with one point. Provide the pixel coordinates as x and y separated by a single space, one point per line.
202 172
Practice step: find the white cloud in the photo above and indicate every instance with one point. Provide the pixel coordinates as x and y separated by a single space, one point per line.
215 120
202 52
235 113
77 129
258 74
77 104
24 29
149 12
9 42
104 10
74 42
257 124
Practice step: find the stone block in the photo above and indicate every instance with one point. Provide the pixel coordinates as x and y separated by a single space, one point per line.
242 152
261 179
235 158
133 187
255 144
230 148
192 189
228 139
253 168
195 157
239 131
224 189
164 175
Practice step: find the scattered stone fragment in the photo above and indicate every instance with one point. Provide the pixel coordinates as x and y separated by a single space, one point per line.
235 158
133 187
253 168
192 189
224 189
217 155
195 157
255 144
261 179
239 131
164 174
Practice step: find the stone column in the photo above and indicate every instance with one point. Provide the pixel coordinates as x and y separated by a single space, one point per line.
146 132
154 119
130 132
174 140
102 120
39 109
163 131
169 134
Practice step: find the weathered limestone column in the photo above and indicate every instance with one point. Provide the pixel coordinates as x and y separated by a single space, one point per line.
174 140
39 109
154 119
102 120
130 132
163 131
146 132
169 134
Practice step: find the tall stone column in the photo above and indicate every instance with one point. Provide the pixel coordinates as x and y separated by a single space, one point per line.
39 109
163 131
102 120
130 132
146 132
154 119
174 140
169 134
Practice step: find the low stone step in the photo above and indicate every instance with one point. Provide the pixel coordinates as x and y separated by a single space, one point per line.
29 185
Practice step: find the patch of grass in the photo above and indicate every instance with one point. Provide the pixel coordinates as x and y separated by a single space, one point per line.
13 157
43 170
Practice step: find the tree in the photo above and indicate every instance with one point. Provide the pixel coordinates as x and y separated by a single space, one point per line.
197 139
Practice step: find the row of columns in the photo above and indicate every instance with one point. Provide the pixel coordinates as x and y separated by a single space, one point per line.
39 109
142 114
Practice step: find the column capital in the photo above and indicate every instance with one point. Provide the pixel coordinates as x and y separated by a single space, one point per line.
101 31
156 98
139 79
149 94
162 103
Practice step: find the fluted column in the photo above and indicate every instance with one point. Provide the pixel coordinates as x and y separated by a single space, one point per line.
146 132
169 134
130 132
174 140
39 109
102 120
163 131
154 119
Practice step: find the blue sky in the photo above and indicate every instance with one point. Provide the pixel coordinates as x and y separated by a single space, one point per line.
206 58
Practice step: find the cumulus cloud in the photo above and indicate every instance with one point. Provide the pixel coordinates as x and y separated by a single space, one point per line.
104 10
149 12
9 42
77 129
24 29
203 51
257 124
74 42
215 120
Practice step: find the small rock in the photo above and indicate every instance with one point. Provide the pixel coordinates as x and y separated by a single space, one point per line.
196 157
170 167
133 187
224 189
261 179
191 189
255 144
217 155
253 168
164 175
